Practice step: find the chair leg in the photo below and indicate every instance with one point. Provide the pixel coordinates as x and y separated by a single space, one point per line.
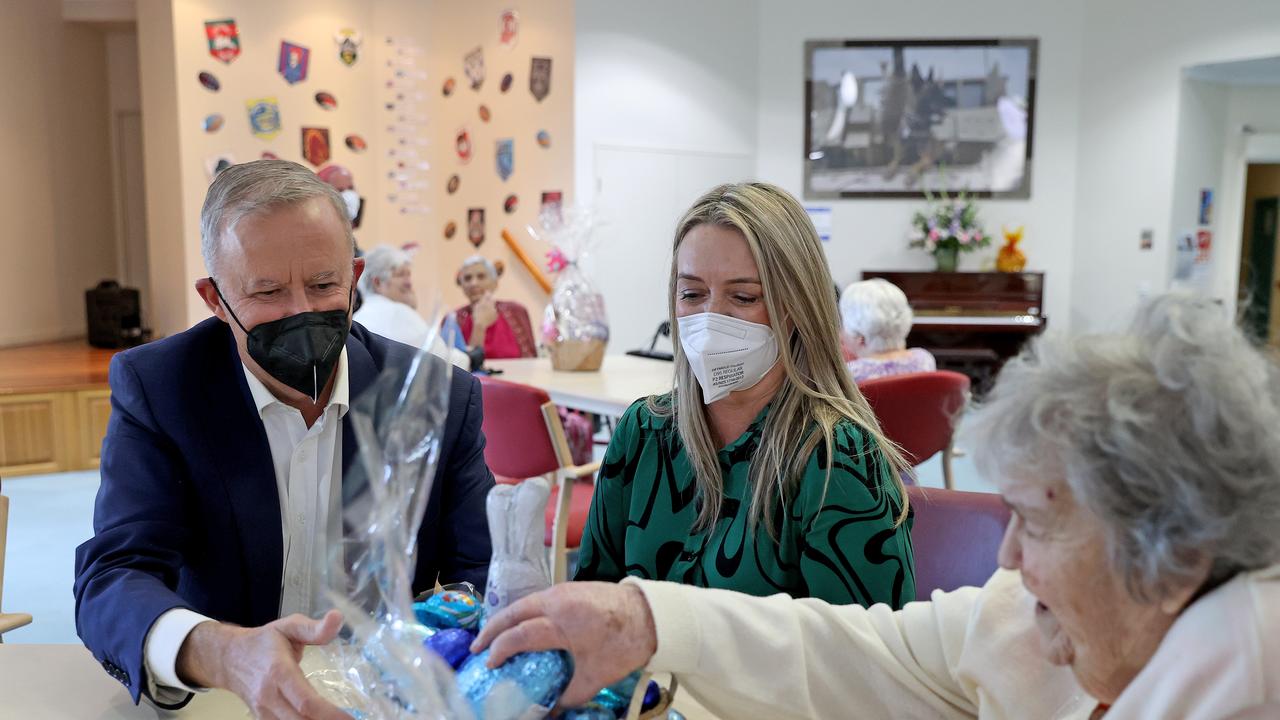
560 530
946 468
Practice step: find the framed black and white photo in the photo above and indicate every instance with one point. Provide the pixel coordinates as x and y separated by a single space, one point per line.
894 118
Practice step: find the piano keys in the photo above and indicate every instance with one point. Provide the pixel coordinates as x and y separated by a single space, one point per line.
972 322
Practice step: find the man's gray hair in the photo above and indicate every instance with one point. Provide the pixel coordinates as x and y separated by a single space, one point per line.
379 263
479 260
249 188
878 311
1170 434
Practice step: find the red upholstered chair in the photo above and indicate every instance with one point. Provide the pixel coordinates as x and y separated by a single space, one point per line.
955 536
918 412
524 439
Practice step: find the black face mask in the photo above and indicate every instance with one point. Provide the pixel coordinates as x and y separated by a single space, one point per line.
301 350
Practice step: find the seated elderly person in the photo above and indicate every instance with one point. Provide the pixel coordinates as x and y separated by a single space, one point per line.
390 306
500 327
877 319
1140 569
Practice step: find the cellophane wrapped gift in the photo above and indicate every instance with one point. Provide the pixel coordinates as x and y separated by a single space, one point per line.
393 660
575 328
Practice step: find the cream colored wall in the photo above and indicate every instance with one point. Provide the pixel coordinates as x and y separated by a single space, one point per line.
546 30
55 194
177 151
262 25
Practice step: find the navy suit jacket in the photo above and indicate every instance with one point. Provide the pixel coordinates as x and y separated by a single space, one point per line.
188 513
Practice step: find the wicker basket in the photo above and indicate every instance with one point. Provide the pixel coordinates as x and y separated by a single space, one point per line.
578 355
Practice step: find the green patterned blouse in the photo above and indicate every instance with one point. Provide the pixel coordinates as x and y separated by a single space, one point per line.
842 548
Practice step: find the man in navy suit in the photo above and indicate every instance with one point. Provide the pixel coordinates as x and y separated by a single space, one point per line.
223 462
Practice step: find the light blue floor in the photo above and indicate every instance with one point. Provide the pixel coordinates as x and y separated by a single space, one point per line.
49 515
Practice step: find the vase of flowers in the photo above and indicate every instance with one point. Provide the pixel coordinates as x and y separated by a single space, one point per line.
948 227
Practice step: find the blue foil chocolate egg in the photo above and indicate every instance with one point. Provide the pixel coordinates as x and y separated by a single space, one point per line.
449 609
513 688
652 696
452 644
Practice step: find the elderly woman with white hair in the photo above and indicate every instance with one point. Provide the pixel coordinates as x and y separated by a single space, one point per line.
876 319
1140 570
390 305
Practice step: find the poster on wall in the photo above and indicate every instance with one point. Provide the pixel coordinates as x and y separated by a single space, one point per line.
315 145
348 41
540 77
218 162
1206 206
224 39
294 60
264 117
894 118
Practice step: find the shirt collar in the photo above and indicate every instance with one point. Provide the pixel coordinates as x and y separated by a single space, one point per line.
340 397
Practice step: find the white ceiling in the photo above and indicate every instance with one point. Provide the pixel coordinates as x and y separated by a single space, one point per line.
1261 71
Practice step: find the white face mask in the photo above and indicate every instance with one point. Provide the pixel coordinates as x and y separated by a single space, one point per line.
725 353
351 199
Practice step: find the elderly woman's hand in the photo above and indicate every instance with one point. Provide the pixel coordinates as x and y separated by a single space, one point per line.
608 629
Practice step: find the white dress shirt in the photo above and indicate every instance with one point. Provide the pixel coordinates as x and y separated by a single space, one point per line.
397 321
308 470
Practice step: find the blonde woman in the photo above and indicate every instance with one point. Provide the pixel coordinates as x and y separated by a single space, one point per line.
764 470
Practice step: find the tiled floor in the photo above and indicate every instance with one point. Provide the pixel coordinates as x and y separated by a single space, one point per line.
49 515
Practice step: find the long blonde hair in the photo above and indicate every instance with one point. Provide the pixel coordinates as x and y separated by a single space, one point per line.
798 293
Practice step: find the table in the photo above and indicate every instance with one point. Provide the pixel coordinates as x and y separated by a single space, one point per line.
609 392
60 682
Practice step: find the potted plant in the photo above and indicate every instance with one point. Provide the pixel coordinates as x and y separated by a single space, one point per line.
946 228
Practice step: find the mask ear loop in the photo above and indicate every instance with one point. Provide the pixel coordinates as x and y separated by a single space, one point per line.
227 306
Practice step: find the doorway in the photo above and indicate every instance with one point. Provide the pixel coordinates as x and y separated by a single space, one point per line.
1259 272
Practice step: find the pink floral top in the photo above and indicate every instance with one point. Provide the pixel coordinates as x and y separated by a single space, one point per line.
916 360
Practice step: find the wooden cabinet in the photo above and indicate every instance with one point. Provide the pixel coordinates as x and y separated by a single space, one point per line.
52 431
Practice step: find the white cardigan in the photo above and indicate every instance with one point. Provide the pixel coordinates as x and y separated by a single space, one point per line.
972 653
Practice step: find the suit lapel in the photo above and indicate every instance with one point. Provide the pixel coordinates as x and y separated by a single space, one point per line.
238 444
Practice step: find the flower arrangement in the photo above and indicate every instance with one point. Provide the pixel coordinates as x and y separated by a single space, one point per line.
947 227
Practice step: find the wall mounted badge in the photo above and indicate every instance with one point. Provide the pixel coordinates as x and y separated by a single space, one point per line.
450 229
509 205
475 226
473 65
356 144
462 144
540 77
348 41
452 186
294 61
326 100
544 139
315 145
224 39
505 153
215 164
210 82
264 117
509 29
213 123
552 202
447 89
484 113
506 82
268 155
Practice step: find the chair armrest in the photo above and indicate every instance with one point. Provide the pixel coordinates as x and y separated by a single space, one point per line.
13 621
574 472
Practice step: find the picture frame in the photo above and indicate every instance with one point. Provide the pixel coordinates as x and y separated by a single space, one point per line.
896 118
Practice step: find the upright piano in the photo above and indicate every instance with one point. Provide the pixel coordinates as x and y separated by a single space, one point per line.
972 322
